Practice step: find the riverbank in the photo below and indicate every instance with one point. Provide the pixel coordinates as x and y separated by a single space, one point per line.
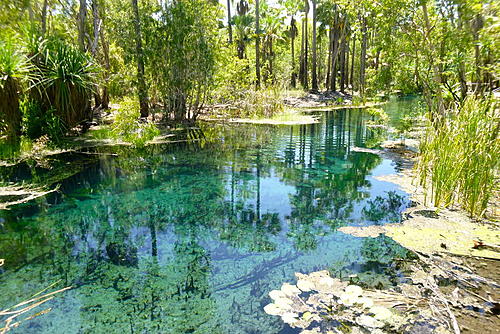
449 286
293 109
457 252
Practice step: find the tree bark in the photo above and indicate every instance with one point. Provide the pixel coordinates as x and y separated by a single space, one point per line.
44 16
107 67
342 64
257 44
306 47
293 33
330 52
82 17
362 64
95 42
229 25
333 75
352 61
301 58
314 50
436 72
346 67
142 88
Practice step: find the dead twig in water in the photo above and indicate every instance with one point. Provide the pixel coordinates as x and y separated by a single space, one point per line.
26 306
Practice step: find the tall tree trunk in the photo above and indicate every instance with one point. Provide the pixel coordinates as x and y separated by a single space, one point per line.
346 65
436 72
107 66
333 75
306 46
82 17
415 74
461 65
293 33
477 25
271 56
142 88
314 50
352 61
44 16
362 62
95 42
301 58
330 53
342 64
229 25
257 42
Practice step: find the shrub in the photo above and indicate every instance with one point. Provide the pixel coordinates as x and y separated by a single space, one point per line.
260 103
128 126
38 122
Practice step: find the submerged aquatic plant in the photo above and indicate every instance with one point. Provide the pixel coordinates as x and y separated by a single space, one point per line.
460 157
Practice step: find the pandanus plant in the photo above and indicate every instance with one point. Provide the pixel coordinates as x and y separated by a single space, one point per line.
67 82
14 70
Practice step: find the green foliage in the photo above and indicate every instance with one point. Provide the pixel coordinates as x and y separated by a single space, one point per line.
66 81
460 156
38 122
379 113
261 103
233 77
127 125
184 56
13 63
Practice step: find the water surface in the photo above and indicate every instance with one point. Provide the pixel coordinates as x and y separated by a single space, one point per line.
191 237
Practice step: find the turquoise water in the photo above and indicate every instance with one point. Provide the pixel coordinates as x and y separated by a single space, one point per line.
191 237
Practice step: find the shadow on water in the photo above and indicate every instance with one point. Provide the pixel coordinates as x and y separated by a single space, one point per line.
190 238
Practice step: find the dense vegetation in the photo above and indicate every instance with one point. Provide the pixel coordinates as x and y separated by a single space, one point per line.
61 62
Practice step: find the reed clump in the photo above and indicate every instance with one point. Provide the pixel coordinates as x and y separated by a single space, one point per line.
459 158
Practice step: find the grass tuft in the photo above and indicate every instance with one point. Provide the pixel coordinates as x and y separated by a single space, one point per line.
460 157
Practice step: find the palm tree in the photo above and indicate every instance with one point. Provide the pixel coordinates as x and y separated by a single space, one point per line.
272 21
243 25
292 7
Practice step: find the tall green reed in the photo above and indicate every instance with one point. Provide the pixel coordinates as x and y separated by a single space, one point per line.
459 158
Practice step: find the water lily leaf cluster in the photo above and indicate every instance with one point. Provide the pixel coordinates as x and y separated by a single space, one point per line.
319 303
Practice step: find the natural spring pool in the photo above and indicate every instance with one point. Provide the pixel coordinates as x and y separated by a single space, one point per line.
191 237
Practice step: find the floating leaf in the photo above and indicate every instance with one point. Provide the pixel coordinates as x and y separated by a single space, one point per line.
305 285
381 313
290 290
290 318
275 294
272 309
370 322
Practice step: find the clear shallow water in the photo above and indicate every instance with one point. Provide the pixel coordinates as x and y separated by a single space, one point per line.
190 238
